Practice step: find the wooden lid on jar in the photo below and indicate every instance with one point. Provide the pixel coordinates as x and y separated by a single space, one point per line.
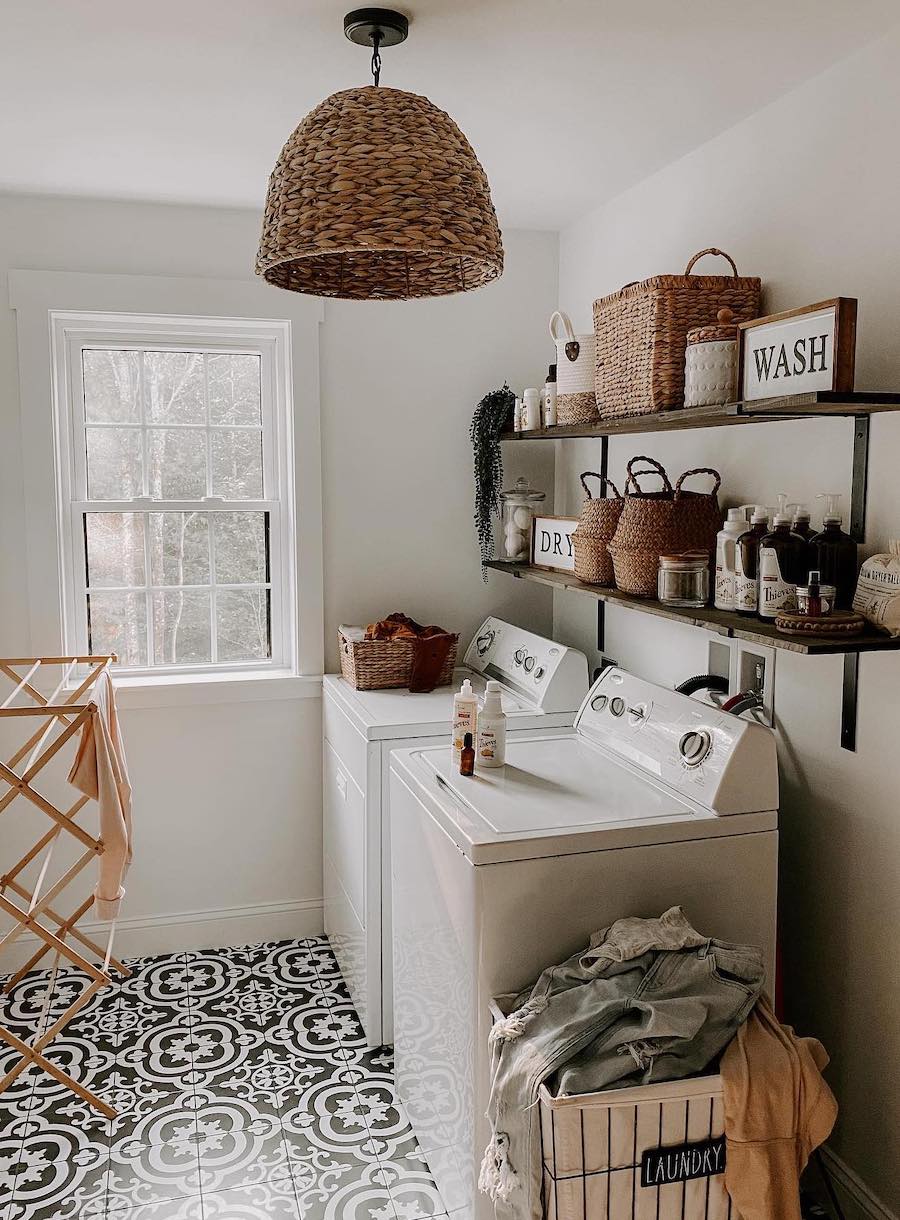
726 328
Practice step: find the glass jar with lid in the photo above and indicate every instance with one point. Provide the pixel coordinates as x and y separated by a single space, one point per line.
683 579
519 506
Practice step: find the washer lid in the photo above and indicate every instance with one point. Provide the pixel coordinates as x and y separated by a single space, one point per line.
550 786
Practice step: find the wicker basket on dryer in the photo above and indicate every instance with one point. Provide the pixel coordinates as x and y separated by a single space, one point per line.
594 532
383 664
641 334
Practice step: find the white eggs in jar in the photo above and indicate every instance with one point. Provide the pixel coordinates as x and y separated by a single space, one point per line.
516 542
522 518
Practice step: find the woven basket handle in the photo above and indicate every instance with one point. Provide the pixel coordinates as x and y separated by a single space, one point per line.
565 321
700 470
631 479
604 483
711 250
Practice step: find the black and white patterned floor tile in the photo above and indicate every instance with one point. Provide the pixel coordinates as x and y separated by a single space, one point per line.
244 1091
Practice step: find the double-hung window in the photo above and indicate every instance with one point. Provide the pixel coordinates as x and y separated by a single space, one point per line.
175 491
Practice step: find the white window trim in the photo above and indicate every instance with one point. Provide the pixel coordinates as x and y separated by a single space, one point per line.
51 308
70 333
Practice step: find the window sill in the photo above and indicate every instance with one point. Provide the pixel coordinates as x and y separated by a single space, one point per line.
191 690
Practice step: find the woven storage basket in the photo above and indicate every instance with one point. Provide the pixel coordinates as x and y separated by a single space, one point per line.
641 334
645 531
599 518
379 664
576 400
698 517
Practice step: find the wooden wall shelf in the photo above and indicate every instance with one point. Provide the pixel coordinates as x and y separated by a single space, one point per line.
766 410
722 622
858 405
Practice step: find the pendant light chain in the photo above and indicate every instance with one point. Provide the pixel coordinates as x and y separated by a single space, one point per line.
376 56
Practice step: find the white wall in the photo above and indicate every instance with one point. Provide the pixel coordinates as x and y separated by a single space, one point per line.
228 794
803 194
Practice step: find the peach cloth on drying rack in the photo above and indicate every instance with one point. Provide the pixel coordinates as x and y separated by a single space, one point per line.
99 771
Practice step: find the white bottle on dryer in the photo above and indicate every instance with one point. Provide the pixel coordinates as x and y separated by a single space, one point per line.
490 750
465 716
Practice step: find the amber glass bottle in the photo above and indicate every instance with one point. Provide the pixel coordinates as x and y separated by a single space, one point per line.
467 756
746 562
835 554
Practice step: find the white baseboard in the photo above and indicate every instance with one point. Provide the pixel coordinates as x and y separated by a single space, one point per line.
181 930
856 1199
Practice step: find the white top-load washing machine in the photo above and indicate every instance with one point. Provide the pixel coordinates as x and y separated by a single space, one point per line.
543 685
652 800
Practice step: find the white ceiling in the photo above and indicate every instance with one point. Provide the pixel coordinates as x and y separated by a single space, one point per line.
567 102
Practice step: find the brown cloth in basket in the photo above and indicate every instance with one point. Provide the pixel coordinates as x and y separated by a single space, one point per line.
399 626
432 644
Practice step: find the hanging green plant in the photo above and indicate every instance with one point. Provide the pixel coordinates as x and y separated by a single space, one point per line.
492 416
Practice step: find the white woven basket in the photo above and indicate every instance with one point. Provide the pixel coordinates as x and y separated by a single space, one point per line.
576 399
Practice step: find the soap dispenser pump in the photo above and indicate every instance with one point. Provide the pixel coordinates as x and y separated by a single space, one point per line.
835 552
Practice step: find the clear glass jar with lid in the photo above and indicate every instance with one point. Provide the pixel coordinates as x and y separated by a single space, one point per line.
684 579
519 506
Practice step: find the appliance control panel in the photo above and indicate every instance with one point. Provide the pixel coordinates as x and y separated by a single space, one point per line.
723 762
551 676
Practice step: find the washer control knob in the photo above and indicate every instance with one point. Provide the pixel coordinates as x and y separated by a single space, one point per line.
694 746
617 706
519 656
484 642
638 713
599 702
539 673
529 664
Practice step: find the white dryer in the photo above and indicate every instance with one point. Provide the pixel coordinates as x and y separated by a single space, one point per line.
651 801
543 685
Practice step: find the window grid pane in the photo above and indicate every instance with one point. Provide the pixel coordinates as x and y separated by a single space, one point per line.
192 623
175 426
144 446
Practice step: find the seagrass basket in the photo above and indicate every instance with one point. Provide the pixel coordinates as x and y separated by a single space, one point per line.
655 523
641 334
595 530
381 664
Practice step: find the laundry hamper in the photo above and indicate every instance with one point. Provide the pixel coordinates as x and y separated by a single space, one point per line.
641 334
651 1152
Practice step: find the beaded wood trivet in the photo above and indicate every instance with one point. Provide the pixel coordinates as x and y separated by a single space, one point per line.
838 623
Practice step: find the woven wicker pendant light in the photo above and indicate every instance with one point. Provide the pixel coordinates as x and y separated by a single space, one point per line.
378 195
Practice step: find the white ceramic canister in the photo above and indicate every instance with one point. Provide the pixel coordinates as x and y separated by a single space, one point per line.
711 363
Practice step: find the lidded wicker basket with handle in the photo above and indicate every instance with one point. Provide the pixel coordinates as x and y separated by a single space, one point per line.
641 334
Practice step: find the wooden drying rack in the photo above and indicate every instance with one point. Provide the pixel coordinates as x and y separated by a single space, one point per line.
36 910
